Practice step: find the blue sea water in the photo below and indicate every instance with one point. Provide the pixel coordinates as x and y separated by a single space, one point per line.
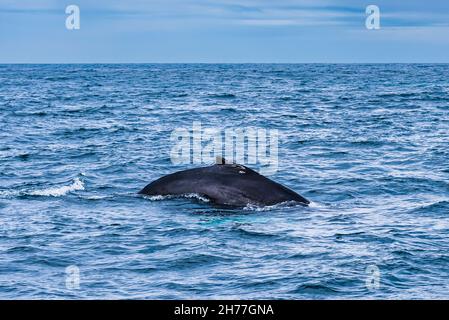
367 144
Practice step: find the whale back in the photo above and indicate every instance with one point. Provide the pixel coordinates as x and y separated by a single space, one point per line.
226 184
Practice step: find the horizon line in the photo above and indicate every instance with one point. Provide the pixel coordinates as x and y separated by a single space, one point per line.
73 63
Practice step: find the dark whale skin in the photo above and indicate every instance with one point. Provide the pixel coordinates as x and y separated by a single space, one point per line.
224 184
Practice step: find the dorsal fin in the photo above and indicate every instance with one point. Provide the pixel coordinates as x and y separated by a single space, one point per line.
220 160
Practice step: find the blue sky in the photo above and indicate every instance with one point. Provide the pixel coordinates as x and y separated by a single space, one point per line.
33 31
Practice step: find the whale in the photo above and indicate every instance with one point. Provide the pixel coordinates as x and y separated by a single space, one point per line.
226 184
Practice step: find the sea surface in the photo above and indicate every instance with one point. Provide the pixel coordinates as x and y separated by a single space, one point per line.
367 144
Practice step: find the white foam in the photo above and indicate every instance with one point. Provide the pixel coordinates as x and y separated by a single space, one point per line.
96 197
188 195
8 193
157 198
196 196
59 191
284 204
313 204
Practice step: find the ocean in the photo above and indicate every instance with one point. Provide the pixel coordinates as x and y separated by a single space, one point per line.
367 144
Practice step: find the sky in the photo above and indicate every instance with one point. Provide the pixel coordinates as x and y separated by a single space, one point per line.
219 31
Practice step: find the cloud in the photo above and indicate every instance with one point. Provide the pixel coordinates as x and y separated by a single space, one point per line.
245 12
223 30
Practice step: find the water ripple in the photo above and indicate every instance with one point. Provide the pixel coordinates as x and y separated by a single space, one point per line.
366 143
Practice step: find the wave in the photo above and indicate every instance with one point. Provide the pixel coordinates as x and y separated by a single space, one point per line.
77 184
438 206
222 96
96 197
59 191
